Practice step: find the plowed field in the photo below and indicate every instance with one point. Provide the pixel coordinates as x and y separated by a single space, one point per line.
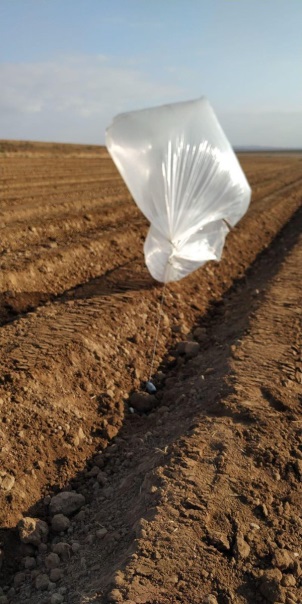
191 495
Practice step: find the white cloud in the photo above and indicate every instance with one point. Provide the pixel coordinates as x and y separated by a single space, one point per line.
72 99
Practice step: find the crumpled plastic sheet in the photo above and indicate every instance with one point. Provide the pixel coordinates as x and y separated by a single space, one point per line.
185 177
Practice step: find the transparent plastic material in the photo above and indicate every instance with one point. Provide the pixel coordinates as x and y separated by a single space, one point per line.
184 176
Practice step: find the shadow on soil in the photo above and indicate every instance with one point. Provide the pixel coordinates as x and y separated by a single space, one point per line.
225 323
130 276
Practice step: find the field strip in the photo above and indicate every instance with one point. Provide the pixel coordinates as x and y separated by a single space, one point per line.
70 354
45 267
220 446
183 477
199 491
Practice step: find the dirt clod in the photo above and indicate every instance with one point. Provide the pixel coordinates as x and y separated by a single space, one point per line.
19 578
210 599
52 560
60 523
142 402
66 503
42 582
100 533
7 482
55 575
242 548
270 585
220 541
56 599
29 562
32 530
288 580
283 559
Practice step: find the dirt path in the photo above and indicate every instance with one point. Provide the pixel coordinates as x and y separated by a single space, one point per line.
197 496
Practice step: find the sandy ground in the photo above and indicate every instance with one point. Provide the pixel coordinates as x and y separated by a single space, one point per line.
192 495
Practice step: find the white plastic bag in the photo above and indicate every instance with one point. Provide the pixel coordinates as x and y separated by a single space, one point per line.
184 176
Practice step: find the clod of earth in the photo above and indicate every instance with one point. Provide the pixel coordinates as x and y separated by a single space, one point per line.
60 523
66 503
32 530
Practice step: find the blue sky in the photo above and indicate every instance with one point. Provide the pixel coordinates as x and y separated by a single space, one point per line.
68 66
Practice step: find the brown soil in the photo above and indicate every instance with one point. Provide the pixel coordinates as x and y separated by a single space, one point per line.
199 494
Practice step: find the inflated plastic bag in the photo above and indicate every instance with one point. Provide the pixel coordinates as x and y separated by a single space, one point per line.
184 176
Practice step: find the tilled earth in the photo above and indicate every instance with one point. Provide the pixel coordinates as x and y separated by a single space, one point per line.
191 495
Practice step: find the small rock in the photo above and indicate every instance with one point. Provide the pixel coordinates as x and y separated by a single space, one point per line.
100 533
3 600
52 560
66 503
75 547
60 523
165 320
241 548
270 586
55 574
81 434
150 388
255 526
142 401
263 509
32 530
42 582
